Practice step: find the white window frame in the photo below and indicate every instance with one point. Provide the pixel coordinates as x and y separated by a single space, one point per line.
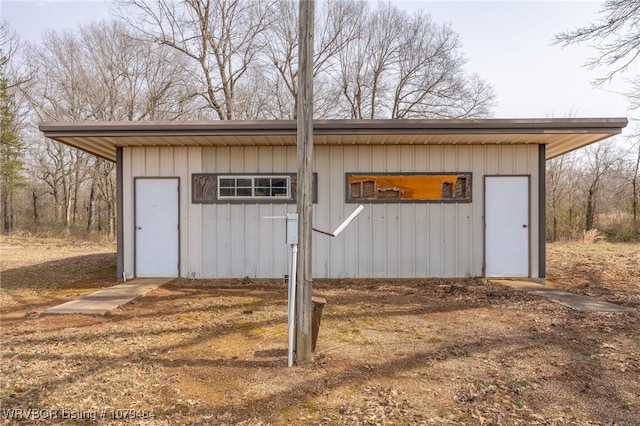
253 187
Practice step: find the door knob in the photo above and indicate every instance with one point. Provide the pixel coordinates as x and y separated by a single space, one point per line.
524 226
138 227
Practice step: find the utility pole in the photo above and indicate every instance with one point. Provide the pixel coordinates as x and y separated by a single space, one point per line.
304 309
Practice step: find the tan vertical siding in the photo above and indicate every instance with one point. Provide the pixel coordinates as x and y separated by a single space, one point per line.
152 161
534 218
386 240
127 210
209 220
165 162
352 239
238 240
190 214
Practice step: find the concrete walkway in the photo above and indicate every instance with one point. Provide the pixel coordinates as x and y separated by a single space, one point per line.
103 301
573 301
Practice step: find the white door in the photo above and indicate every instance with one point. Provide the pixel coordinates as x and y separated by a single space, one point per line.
506 205
156 227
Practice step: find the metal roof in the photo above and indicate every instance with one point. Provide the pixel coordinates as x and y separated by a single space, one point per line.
560 135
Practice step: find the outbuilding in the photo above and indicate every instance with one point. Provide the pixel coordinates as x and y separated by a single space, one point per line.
442 198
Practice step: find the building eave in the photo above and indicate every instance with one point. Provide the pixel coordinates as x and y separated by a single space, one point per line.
560 135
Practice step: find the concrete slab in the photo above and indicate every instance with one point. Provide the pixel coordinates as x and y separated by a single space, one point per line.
103 301
571 300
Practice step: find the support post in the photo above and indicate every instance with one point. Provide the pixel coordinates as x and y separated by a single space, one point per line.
542 212
119 215
304 307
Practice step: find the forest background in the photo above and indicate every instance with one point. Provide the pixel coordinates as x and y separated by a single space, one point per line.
237 60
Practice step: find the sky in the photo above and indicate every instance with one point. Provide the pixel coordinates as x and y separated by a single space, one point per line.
508 43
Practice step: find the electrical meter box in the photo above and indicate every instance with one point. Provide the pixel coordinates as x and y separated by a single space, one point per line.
292 228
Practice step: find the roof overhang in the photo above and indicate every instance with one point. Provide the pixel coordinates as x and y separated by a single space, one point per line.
560 135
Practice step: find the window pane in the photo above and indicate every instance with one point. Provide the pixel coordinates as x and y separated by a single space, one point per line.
279 182
263 187
355 190
244 183
263 182
227 183
279 187
368 189
279 192
243 192
227 192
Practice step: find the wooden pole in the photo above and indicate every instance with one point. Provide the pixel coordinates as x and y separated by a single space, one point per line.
304 308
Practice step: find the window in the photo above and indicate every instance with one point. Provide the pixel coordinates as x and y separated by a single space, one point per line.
254 187
243 188
415 187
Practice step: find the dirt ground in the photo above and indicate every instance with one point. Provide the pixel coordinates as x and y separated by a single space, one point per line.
402 352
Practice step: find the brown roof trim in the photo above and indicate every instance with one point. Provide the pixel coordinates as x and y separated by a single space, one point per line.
561 135
286 127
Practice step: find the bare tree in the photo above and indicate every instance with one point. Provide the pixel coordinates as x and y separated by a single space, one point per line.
63 170
617 38
428 73
557 188
137 80
100 72
219 36
634 179
104 185
600 160
635 183
590 188
16 72
12 151
335 29
9 43
280 42
255 102
364 62
389 63
565 183
103 73
12 147
407 66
